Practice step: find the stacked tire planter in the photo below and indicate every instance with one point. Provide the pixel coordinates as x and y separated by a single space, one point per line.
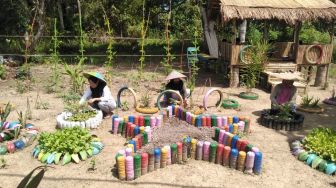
271 121
228 149
26 135
330 101
312 158
92 123
44 154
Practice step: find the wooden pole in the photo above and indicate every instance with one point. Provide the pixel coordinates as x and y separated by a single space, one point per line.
296 38
331 34
266 29
234 80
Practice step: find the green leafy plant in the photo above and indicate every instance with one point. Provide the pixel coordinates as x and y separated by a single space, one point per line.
306 101
82 115
124 106
310 102
144 27
309 34
315 102
110 52
3 163
22 117
5 112
54 80
92 165
39 104
70 97
68 140
285 112
75 73
145 99
3 71
193 68
167 60
322 141
255 57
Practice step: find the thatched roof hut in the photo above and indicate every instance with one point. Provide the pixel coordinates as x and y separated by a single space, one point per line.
287 10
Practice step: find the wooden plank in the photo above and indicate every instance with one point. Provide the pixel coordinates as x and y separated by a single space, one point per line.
235 50
314 54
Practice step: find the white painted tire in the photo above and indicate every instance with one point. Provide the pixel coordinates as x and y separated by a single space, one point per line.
91 123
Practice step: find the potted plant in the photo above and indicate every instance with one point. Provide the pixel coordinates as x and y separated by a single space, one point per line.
253 58
332 99
144 106
310 104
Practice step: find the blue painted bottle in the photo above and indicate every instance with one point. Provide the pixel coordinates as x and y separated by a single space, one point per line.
257 163
230 128
235 119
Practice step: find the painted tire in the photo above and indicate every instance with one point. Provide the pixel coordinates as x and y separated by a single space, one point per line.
146 110
319 60
245 95
310 110
330 101
10 145
268 120
241 54
119 95
230 104
168 91
205 98
54 157
90 123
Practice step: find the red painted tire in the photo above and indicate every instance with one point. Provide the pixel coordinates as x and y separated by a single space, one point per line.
319 60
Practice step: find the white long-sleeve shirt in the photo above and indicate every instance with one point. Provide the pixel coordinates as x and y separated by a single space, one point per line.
107 96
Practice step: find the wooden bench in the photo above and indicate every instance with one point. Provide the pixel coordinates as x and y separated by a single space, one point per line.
280 66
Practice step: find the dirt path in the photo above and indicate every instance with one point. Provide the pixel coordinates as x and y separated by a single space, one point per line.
280 168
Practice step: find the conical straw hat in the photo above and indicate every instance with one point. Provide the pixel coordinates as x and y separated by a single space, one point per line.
174 74
288 76
94 74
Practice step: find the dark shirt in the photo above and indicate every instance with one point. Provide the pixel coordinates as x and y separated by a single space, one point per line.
177 87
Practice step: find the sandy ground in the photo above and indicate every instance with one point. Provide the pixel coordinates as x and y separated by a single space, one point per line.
280 168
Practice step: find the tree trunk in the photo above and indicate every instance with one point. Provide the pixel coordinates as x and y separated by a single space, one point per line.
320 76
234 80
40 19
181 58
210 34
60 14
242 31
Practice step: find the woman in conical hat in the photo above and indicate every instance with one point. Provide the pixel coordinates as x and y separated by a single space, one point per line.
98 95
285 92
176 83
